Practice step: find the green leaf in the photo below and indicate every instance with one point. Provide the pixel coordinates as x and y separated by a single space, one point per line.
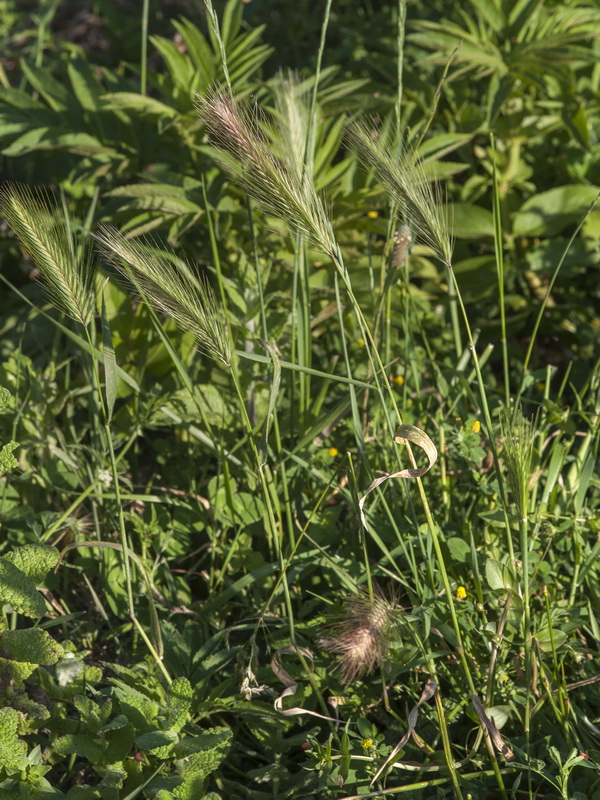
199 767
548 213
33 645
545 639
178 704
111 378
13 751
35 560
54 93
459 549
137 102
79 744
498 575
471 222
19 591
212 739
157 739
7 461
137 707
45 138
85 84
5 396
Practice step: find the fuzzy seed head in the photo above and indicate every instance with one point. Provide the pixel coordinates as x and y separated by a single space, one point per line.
361 635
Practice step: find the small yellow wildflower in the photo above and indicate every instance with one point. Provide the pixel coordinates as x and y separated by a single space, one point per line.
333 452
461 593
476 426
399 380
367 743
372 214
360 342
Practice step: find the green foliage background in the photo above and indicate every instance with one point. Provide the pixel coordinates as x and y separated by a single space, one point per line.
500 101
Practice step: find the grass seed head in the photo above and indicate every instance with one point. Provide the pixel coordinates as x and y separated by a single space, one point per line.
63 257
419 199
518 440
361 635
264 160
172 287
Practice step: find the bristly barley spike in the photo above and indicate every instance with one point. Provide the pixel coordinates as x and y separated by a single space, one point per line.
418 198
172 287
63 257
362 633
518 440
269 167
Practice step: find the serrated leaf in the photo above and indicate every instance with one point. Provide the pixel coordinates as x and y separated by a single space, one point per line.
79 744
16 670
13 750
139 709
5 396
19 591
156 739
32 645
7 460
211 739
35 560
178 704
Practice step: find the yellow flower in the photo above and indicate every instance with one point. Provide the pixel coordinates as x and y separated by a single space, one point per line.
333 452
461 593
367 743
476 426
372 214
360 342
399 379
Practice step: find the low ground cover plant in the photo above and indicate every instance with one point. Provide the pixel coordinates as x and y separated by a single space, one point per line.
300 416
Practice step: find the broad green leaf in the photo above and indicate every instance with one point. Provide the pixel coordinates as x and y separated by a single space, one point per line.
79 744
459 549
32 645
19 591
17 670
498 575
500 715
179 701
35 560
5 396
548 213
545 639
7 460
471 222
13 750
440 145
155 740
139 709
